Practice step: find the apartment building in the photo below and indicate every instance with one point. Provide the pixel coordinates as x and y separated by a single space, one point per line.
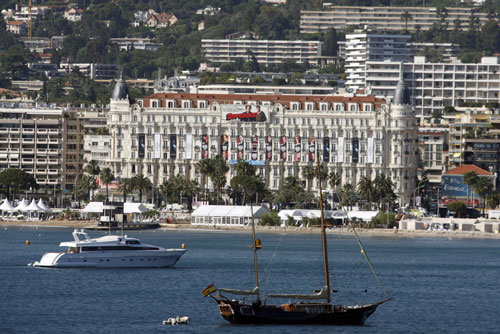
130 43
433 86
166 134
363 46
384 18
35 139
433 147
265 51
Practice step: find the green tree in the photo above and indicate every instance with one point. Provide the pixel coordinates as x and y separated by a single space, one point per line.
290 191
141 183
106 176
17 179
458 207
331 44
490 37
93 170
493 200
270 219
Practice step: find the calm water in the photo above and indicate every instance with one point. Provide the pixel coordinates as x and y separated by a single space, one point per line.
438 285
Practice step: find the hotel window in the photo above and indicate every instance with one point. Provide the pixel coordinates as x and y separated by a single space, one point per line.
339 107
135 118
310 106
165 131
149 169
133 156
154 104
170 104
295 105
133 168
324 106
202 104
368 107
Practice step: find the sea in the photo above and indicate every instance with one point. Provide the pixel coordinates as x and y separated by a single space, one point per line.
437 285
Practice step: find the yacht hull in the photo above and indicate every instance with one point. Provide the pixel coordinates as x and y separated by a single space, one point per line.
236 312
111 259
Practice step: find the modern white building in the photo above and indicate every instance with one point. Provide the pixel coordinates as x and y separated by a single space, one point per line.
265 51
384 18
166 134
363 46
433 86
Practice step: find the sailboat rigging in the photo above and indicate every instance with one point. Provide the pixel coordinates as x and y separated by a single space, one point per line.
313 308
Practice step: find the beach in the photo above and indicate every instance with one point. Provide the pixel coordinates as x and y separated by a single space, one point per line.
379 232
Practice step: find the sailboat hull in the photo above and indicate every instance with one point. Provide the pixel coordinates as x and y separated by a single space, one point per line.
237 312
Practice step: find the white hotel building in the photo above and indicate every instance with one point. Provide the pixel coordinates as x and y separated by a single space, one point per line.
265 51
433 86
383 18
166 134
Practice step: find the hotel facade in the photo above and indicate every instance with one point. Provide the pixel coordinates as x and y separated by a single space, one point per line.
166 134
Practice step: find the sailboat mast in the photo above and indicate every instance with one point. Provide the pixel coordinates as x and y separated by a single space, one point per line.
323 233
254 246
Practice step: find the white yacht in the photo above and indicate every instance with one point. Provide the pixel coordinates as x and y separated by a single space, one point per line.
111 251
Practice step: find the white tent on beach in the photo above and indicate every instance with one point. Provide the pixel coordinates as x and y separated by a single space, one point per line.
94 207
134 208
235 215
21 206
6 206
42 205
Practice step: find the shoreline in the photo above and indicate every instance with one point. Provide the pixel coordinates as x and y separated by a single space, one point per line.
272 229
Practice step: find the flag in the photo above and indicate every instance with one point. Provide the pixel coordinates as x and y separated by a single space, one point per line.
209 290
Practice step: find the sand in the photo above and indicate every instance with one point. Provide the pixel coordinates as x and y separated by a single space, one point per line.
271 229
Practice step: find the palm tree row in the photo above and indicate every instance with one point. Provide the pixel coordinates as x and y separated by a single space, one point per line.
244 186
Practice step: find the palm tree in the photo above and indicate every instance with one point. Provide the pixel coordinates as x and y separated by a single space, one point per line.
470 179
482 187
348 195
93 170
125 186
384 190
218 175
205 167
141 183
366 190
335 181
405 17
309 172
106 177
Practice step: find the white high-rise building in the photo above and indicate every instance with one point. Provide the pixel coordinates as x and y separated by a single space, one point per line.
363 46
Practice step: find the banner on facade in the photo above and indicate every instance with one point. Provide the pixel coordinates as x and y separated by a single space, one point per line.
355 150
244 113
312 148
142 145
189 146
326 149
157 147
224 146
369 152
340 150
297 148
255 147
283 141
173 146
240 145
269 148
204 146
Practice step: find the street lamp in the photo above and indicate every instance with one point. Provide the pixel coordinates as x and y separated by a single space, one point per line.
415 191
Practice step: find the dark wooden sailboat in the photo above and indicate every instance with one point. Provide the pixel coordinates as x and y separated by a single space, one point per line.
309 309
